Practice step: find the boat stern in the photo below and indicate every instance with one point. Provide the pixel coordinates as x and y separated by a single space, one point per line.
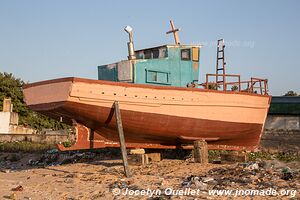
47 95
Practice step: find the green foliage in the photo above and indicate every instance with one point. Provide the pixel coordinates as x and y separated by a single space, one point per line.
291 93
287 157
282 156
24 147
67 143
260 155
213 86
11 87
234 88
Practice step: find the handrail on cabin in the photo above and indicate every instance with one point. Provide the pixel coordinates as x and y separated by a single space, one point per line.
254 85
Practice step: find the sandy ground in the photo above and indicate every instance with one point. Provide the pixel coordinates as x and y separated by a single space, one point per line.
97 180
94 180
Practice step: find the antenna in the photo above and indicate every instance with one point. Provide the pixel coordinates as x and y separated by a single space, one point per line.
174 31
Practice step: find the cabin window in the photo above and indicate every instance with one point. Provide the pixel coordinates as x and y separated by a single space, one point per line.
185 54
195 54
152 76
163 53
157 77
147 54
154 53
139 55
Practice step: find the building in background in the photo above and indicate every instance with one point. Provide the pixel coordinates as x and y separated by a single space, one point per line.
282 128
9 120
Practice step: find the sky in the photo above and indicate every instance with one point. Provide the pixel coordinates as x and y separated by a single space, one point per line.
42 40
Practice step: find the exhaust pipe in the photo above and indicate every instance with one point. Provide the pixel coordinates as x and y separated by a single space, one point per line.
131 54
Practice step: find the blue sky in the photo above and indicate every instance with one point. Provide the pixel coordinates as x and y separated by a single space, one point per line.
49 39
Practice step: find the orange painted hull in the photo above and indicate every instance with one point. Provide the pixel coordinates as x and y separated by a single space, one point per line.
166 116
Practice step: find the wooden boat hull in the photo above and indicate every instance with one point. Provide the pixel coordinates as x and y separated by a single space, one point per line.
167 116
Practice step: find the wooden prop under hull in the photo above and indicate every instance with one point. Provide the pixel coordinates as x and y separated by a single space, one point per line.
90 139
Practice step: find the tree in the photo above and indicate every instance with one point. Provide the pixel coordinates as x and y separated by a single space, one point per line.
234 88
291 93
11 87
213 86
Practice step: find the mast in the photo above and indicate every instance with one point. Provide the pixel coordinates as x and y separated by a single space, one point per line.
174 31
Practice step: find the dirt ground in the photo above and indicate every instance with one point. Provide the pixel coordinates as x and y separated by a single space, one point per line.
102 178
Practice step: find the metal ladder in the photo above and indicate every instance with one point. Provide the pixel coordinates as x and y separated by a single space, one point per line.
220 65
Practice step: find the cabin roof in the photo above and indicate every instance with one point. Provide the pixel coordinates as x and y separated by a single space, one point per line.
173 45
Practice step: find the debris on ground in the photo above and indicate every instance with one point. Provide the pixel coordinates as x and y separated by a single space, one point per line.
252 175
93 175
18 188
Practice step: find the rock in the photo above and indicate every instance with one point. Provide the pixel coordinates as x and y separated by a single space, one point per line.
207 179
78 175
213 182
286 174
164 182
200 185
18 188
52 151
282 183
196 182
252 166
136 151
186 184
69 181
5 170
13 196
187 181
216 161
14 157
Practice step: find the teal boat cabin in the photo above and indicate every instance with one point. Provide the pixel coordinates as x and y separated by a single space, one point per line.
169 65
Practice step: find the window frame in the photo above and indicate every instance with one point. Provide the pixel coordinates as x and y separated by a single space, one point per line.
189 53
195 50
148 76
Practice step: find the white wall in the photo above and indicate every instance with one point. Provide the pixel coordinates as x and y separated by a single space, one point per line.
282 122
4 122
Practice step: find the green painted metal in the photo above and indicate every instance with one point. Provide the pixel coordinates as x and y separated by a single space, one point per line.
108 74
284 109
283 105
162 65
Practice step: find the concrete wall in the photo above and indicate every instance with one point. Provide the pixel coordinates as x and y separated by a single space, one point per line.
14 118
4 122
282 133
15 129
37 138
280 140
282 122
9 124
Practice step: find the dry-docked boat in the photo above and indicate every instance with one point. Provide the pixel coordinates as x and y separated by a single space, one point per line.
161 102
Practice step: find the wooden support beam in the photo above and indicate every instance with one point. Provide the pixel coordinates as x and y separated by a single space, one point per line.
122 139
200 152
